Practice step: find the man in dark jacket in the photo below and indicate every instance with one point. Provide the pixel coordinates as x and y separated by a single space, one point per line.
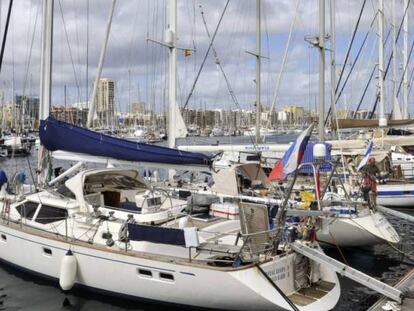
371 172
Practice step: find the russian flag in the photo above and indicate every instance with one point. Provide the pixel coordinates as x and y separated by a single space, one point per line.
293 156
366 155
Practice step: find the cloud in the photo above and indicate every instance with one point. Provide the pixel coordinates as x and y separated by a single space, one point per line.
140 67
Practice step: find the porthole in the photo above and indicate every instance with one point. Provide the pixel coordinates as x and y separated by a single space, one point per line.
144 272
4 237
47 251
166 276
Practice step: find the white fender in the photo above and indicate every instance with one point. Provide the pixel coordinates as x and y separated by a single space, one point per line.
183 222
68 269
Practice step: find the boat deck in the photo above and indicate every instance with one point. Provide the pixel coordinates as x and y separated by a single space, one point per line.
406 285
311 294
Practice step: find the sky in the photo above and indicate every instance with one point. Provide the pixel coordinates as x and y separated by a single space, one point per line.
139 67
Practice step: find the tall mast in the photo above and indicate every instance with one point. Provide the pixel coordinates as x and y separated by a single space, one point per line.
333 61
321 41
382 119
394 61
405 63
258 69
45 85
46 60
170 39
91 112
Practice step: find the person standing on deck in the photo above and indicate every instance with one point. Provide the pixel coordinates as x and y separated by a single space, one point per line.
371 173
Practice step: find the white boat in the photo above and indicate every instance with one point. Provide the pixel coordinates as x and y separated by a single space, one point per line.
263 132
405 161
395 194
17 146
69 221
139 133
217 132
354 224
350 223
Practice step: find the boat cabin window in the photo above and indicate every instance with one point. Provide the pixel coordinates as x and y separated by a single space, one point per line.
48 214
166 276
144 272
156 201
27 210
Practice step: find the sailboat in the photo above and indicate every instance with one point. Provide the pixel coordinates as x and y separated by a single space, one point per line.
85 228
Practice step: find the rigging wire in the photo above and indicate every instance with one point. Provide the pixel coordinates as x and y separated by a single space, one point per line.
69 49
405 68
75 11
365 91
6 31
206 55
371 114
282 69
218 62
29 56
353 64
411 82
347 55
87 56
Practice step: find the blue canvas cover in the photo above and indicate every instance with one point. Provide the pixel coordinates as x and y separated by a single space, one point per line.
57 135
155 234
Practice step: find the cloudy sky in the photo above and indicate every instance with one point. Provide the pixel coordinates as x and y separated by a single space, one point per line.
140 67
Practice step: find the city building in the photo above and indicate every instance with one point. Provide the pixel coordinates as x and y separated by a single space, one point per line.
74 114
105 102
294 114
24 112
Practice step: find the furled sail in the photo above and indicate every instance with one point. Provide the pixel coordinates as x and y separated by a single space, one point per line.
57 135
180 128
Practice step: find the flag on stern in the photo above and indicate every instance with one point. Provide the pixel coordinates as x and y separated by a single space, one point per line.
293 156
366 155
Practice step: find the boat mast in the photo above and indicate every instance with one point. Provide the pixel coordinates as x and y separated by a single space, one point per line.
170 38
91 112
405 62
45 84
382 120
46 60
321 44
333 61
394 63
258 69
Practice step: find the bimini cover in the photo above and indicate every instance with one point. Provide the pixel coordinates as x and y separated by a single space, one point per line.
57 135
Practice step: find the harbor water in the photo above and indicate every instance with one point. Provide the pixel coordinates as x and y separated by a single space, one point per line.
20 291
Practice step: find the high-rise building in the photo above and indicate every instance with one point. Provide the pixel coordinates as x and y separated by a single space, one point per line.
105 103
26 111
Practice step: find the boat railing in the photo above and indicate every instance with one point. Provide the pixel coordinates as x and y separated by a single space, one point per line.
258 244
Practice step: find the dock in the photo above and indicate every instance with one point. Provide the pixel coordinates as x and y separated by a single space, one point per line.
406 285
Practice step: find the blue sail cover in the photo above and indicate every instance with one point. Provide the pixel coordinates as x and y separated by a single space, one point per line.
57 135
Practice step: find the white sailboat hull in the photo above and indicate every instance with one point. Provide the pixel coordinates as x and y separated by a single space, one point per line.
112 272
395 195
352 231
